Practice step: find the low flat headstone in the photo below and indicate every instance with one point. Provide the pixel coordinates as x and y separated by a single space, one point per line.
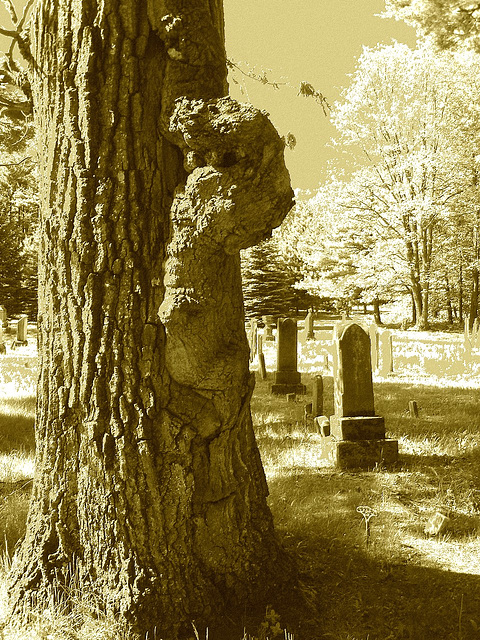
322 426
437 524
413 409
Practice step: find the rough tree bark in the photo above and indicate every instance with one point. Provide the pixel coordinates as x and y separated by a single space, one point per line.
148 477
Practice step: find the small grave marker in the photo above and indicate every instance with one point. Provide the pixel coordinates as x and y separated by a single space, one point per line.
262 366
21 339
413 409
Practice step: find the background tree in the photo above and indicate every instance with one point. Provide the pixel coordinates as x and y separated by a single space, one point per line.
269 278
18 197
148 481
401 113
451 22
343 260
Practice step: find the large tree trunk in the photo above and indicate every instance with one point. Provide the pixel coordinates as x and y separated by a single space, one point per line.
148 478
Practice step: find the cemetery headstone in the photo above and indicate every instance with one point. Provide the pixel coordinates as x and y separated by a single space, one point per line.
308 332
286 378
322 425
374 345
413 409
252 338
268 330
259 343
437 524
317 399
21 339
3 317
357 434
385 347
261 365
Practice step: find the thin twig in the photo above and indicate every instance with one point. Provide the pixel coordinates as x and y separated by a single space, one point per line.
14 164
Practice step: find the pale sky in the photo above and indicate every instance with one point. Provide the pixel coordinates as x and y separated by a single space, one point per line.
316 41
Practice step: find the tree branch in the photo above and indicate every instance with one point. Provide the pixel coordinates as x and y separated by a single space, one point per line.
11 11
9 33
14 164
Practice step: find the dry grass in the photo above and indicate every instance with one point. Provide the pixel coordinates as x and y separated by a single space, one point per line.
403 584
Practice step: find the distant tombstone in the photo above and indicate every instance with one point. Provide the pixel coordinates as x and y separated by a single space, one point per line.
373 345
385 348
259 343
21 339
261 365
268 322
357 435
252 338
308 332
3 317
317 396
286 378
413 409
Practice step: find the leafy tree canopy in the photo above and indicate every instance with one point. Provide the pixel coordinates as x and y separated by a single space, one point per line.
450 22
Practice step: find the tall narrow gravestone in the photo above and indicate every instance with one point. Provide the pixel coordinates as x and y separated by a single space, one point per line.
3 317
286 378
308 332
357 435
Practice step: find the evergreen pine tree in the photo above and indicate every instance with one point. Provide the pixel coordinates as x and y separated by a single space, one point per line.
269 282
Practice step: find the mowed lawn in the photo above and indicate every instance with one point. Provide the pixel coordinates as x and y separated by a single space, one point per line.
400 583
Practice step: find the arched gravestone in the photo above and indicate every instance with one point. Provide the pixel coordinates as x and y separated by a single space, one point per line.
353 376
286 378
357 435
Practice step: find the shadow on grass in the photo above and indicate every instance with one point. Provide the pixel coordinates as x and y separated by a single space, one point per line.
17 419
355 592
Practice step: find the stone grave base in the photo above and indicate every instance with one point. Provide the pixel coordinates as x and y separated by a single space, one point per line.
357 428
19 343
360 454
281 389
288 382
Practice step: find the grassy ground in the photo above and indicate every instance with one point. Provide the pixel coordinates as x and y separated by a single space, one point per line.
400 583
403 583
